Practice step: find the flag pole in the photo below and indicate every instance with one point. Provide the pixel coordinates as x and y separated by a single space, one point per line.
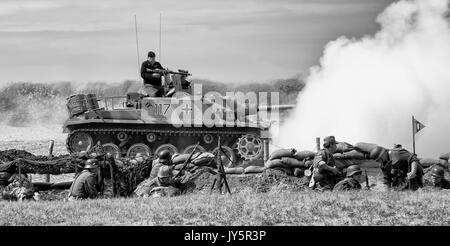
414 134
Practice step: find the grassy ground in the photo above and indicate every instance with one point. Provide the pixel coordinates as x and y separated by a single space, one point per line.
245 208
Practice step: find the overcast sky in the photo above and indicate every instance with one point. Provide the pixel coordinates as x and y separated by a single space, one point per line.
239 41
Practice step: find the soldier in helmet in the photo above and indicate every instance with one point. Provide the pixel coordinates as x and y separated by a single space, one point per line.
325 174
84 185
164 178
438 180
151 72
401 169
352 181
164 159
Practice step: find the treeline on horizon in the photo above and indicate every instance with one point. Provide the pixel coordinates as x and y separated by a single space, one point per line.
288 88
24 103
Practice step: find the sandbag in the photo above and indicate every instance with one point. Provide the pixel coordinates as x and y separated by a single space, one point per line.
355 155
365 147
42 186
445 156
275 163
278 154
234 170
203 159
426 162
304 154
61 185
292 162
343 163
342 147
179 166
181 158
254 169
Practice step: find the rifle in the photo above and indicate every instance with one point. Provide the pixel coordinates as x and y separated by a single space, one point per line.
187 160
166 71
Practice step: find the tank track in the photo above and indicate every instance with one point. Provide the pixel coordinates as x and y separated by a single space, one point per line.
178 132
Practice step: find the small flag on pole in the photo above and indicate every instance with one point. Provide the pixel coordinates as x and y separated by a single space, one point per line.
417 126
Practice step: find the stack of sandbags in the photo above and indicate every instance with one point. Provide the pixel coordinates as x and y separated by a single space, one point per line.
427 162
288 159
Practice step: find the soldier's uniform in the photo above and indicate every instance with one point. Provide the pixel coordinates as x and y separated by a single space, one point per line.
164 158
20 188
164 179
396 170
347 184
85 184
324 179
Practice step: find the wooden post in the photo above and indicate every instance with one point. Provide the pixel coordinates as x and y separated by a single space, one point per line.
266 150
111 171
50 155
318 143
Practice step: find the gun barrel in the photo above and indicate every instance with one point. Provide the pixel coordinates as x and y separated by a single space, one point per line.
274 107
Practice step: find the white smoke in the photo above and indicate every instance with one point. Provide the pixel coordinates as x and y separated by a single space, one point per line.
366 90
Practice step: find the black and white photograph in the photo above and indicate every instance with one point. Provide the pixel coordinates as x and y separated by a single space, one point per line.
208 114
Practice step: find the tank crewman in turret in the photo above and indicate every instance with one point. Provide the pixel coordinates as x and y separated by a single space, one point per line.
325 174
151 72
164 159
84 185
401 169
438 180
352 181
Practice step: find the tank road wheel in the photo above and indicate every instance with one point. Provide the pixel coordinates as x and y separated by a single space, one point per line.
249 146
79 141
112 149
208 138
138 148
151 137
229 152
122 136
189 149
171 148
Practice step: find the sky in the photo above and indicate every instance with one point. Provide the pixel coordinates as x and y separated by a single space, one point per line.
229 41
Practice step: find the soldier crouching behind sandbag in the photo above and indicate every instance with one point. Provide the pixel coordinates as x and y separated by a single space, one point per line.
85 183
163 185
325 174
20 189
352 181
401 169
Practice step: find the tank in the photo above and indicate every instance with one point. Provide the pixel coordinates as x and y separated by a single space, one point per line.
178 121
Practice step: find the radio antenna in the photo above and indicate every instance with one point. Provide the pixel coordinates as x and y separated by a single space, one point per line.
160 54
137 46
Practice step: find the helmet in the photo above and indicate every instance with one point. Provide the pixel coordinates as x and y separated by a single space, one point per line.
164 172
398 155
328 141
377 153
164 156
437 171
353 169
91 163
151 54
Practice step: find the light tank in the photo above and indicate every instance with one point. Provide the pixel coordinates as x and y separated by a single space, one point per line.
183 117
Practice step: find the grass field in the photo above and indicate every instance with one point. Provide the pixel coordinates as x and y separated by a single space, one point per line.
276 207
245 208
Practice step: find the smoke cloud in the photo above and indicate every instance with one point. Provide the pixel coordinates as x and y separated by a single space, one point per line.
366 90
